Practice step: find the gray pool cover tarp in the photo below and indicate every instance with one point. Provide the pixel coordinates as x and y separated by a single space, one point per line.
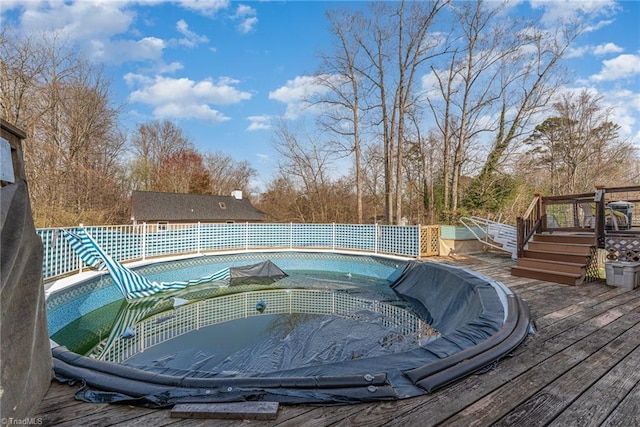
264 272
25 354
463 306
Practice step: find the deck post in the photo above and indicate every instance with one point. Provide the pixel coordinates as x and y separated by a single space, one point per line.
541 213
600 216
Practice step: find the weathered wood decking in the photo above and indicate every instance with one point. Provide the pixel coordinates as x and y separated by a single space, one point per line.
581 368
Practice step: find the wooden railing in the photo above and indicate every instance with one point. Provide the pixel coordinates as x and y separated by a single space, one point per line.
529 223
586 212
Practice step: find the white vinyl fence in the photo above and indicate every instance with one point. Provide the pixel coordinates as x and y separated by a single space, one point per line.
138 242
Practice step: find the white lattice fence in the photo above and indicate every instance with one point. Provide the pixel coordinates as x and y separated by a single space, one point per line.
133 242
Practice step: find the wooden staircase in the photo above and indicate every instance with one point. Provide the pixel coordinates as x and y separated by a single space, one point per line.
558 258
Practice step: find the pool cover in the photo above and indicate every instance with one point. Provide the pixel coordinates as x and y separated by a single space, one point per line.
262 273
24 357
480 321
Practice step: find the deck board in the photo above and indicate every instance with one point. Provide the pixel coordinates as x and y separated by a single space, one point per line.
580 368
594 405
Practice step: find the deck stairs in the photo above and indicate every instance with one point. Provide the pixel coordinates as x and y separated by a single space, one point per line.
558 258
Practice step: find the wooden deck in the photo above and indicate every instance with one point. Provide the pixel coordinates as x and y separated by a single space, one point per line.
581 368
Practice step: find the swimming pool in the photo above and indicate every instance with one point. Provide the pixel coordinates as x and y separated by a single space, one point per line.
401 329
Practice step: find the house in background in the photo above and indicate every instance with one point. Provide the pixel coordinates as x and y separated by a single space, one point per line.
176 208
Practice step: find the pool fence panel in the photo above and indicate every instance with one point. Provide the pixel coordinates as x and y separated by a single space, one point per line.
429 240
125 243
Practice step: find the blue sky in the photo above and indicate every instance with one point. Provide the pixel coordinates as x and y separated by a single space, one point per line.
225 71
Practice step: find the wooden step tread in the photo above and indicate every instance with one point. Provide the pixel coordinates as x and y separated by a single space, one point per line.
572 279
555 253
568 248
538 270
571 245
553 262
556 256
553 266
564 238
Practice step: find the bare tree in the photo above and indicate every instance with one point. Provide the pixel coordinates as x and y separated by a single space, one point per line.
227 174
528 81
21 66
480 46
74 140
422 162
151 142
340 73
373 181
306 163
395 45
182 172
580 147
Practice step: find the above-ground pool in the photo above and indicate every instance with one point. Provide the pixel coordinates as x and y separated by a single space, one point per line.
338 328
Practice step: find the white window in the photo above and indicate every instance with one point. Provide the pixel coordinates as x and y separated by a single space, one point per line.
163 225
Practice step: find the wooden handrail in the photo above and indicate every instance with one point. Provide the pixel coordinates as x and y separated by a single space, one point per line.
534 203
529 223
535 217
567 197
621 189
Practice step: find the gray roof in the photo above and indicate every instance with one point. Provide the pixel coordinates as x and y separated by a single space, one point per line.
155 206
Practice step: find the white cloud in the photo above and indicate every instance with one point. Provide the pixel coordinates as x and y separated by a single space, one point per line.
430 86
244 10
577 52
185 98
205 7
166 89
599 50
77 21
620 67
132 79
262 122
117 52
95 27
190 39
625 106
563 11
247 25
247 17
169 68
597 25
191 111
605 48
11 4
295 93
